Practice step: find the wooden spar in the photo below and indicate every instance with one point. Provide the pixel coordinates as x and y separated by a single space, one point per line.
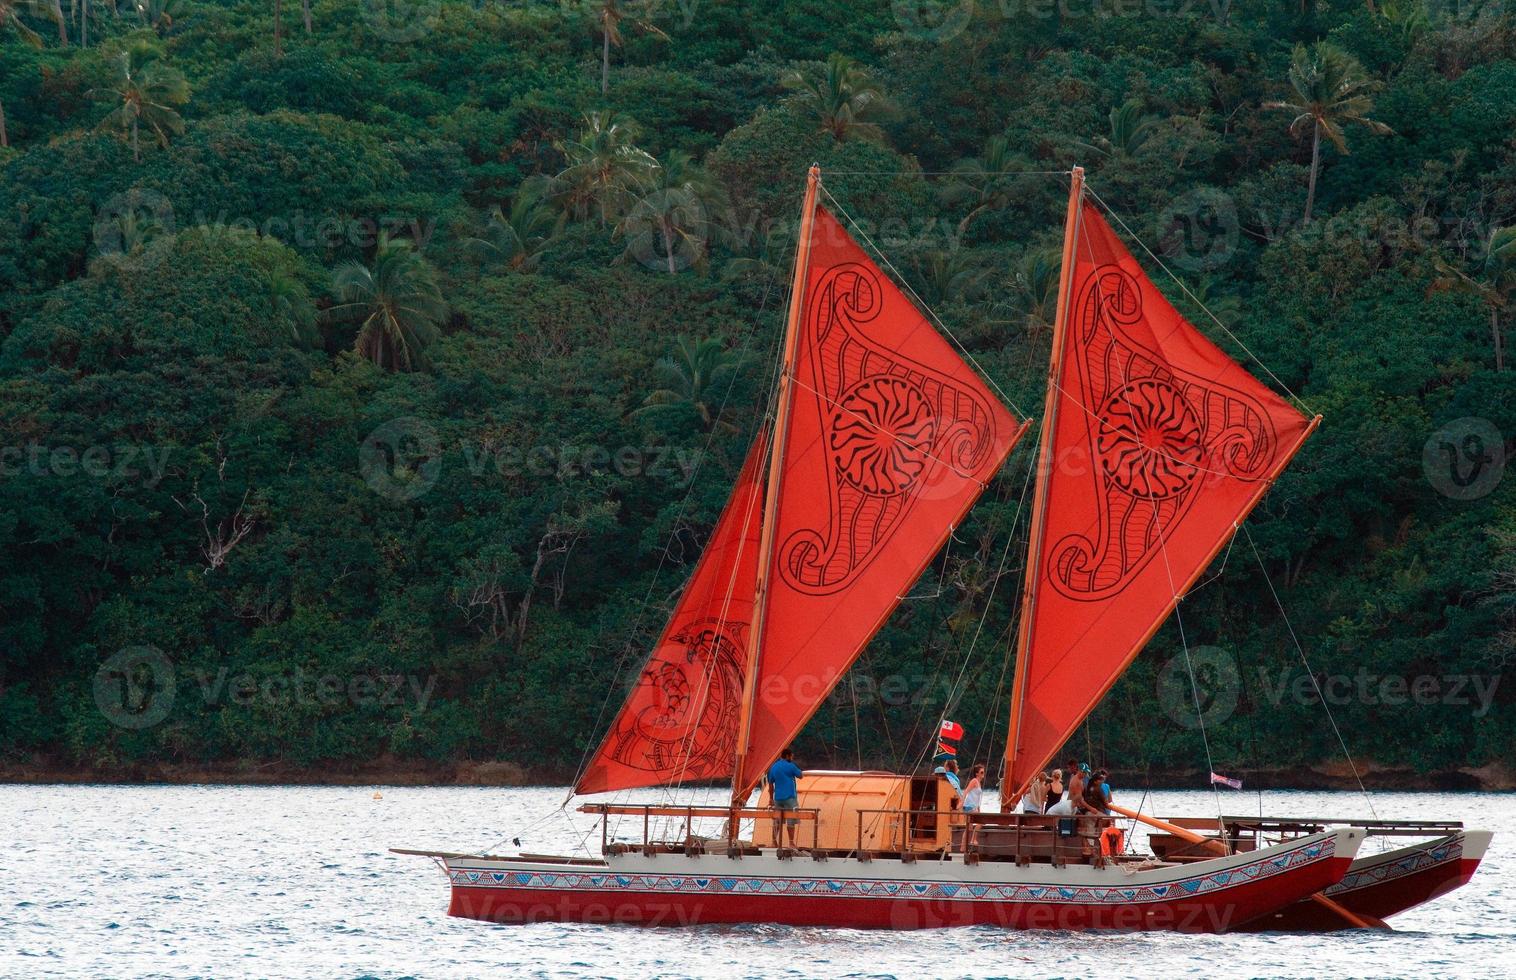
771 492
1045 464
1219 847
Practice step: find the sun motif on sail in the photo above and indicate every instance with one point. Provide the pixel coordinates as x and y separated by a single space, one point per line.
893 430
688 725
1156 434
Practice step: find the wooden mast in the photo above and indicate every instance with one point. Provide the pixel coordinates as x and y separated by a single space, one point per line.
1045 464
771 491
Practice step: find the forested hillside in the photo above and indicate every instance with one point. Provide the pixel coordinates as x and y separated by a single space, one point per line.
372 373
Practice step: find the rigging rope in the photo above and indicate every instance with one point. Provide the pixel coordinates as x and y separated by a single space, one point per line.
1196 300
1310 673
921 304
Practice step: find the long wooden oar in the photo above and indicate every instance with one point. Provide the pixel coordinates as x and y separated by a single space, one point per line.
1352 918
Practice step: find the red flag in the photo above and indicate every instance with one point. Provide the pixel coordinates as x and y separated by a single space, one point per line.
1161 445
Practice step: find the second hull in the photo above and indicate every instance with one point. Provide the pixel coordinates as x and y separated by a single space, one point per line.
1217 896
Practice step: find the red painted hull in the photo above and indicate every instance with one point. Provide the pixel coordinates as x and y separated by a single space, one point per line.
1380 889
1218 911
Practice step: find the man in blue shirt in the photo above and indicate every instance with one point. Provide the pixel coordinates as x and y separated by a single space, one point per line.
782 776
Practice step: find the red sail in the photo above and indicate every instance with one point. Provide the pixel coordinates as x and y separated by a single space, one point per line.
680 721
891 439
1160 446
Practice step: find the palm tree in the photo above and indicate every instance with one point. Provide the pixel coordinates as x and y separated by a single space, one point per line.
1330 89
10 17
698 374
1494 282
1130 130
609 18
605 169
397 304
1032 292
146 93
944 276
987 181
842 95
290 303
678 212
521 236
278 26
155 14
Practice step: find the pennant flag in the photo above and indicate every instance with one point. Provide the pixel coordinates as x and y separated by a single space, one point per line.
948 737
1159 444
1219 780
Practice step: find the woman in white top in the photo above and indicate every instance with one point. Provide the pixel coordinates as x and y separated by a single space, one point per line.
973 797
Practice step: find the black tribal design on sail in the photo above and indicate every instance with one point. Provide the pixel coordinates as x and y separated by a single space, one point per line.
892 429
689 729
1156 435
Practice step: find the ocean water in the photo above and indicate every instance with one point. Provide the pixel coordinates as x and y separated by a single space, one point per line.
218 881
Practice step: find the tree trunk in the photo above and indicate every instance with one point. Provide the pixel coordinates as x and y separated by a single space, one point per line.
305 12
62 23
605 59
1494 311
84 23
4 140
1310 194
278 13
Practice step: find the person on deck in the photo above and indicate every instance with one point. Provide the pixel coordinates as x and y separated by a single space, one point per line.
1073 800
1098 794
973 798
1055 791
974 795
949 771
1035 799
786 796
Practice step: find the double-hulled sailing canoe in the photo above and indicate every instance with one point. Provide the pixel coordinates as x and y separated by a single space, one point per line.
1155 445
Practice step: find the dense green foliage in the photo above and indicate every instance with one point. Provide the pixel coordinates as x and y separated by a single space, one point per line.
389 382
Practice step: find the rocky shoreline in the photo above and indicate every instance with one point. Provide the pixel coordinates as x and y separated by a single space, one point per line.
1326 776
